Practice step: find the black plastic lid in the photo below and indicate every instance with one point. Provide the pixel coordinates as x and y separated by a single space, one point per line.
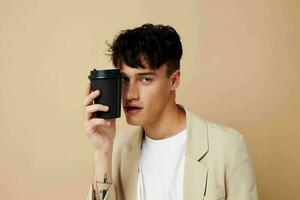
107 73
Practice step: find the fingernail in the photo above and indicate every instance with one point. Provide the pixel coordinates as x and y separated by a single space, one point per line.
107 123
106 108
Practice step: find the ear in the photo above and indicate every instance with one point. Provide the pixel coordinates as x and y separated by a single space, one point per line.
175 80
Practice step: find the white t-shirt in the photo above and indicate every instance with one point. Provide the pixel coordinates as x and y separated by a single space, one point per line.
161 168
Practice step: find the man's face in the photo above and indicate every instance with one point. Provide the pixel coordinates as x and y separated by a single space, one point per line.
145 94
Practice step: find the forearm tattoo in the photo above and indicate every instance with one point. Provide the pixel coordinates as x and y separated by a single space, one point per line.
101 188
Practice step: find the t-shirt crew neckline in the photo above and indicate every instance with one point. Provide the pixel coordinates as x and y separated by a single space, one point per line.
165 142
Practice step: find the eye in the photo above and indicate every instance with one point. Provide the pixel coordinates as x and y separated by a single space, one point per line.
147 80
125 79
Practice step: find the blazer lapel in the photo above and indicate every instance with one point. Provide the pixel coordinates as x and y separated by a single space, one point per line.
129 165
195 172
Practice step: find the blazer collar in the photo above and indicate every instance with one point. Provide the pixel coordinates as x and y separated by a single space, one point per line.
197 140
195 173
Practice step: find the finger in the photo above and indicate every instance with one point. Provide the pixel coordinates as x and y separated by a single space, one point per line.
88 89
112 121
89 99
89 110
96 107
92 125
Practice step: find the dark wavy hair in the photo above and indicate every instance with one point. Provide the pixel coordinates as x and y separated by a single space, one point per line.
147 46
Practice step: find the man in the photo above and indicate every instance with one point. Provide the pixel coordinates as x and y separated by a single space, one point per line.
174 154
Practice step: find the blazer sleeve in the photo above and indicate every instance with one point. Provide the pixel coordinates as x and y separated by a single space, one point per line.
110 195
241 181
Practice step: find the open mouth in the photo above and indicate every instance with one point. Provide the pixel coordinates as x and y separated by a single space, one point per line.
132 109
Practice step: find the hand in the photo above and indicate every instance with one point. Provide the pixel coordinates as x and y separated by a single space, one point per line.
101 132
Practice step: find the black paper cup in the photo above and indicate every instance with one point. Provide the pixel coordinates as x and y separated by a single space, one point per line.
109 82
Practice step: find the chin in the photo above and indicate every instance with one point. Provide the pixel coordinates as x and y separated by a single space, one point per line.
133 122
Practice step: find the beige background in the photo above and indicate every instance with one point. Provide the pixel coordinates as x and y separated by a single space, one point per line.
240 68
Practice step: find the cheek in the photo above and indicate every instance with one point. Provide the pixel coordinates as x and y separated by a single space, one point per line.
154 93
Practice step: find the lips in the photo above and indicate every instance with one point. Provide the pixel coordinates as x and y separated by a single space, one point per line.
132 109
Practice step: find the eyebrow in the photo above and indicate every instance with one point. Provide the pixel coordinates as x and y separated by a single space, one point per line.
146 73
141 74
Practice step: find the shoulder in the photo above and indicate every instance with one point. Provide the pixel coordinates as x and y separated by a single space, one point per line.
216 132
222 134
225 143
222 140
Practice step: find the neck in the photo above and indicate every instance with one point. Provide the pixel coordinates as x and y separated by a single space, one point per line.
171 122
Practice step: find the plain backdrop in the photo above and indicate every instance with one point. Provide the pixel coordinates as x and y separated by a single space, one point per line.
240 68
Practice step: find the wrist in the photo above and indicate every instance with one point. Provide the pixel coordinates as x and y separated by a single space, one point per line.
102 153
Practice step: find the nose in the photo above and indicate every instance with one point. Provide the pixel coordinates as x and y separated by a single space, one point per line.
131 91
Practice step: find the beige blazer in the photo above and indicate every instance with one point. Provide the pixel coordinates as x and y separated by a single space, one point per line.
217 164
